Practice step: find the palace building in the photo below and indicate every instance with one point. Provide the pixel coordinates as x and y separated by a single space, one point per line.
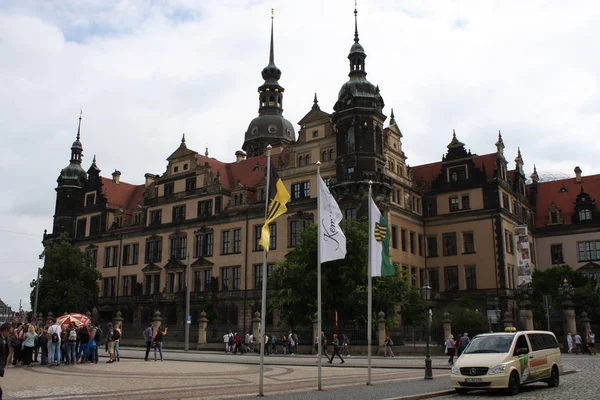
452 222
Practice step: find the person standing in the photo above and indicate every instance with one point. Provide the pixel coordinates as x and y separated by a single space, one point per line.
577 340
43 343
71 343
345 345
148 339
336 349
591 342
463 342
158 341
110 343
569 343
450 349
4 332
388 347
54 333
84 339
117 338
28 345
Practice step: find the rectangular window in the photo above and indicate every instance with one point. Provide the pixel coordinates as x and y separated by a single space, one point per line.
394 236
225 239
129 283
403 239
556 254
197 281
190 184
179 213
204 245
434 279
224 279
109 287
207 280
258 276
471 277
413 244
110 256
148 284
204 208
90 199
169 188
81 224
432 248
156 283
509 243
272 236
130 254
237 240
156 217
257 236
465 202
294 229
451 278
449 244
179 248
420 245
301 190
468 242
93 256
505 202
153 251
236 272
413 276
589 250
171 282
454 203
95 225
457 174
350 213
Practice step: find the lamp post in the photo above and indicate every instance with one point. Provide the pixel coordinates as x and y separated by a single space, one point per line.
426 296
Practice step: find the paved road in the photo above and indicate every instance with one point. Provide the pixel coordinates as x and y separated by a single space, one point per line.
581 385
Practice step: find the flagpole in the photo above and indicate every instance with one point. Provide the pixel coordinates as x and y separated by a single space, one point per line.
369 294
320 344
263 309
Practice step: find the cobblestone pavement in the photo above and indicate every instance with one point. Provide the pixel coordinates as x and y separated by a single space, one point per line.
224 377
581 385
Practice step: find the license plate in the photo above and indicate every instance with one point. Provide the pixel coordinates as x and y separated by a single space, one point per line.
472 379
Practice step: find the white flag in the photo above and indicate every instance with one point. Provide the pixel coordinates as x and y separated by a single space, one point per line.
379 241
332 241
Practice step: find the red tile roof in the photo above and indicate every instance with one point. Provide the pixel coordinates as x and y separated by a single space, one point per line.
124 195
549 192
429 172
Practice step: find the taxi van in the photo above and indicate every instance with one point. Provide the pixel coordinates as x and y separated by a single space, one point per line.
508 360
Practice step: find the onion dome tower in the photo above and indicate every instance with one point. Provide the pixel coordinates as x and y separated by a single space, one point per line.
270 127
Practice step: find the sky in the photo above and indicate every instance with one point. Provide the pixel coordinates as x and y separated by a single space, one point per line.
144 72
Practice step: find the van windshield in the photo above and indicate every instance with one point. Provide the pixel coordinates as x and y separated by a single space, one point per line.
490 344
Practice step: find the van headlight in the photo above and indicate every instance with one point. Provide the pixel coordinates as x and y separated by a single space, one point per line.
455 370
497 370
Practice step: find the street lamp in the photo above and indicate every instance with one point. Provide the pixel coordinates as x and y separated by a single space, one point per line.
426 296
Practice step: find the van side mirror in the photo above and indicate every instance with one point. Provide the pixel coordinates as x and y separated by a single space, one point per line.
522 351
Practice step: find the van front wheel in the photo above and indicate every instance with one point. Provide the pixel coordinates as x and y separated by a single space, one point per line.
514 384
554 379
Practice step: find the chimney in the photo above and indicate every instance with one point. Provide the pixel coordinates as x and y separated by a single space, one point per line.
149 179
239 156
116 176
577 175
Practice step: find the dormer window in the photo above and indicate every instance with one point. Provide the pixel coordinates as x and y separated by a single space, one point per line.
457 174
585 215
90 199
554 217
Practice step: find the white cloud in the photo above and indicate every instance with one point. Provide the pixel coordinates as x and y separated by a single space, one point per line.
146 71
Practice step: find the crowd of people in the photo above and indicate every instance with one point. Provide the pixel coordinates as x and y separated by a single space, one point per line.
53 344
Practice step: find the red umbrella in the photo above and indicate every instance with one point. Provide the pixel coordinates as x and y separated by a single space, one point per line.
78 319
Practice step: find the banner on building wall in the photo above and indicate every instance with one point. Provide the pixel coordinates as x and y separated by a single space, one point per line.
523 254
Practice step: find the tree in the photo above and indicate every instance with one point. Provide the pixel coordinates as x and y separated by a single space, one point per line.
343 282
546 282
68 280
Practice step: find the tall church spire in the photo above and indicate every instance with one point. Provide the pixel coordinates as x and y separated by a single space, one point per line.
357 52
76 147
355 23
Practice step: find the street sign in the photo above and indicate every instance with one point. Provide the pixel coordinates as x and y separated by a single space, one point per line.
189 319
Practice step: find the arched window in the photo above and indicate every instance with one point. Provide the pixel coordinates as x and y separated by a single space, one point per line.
350 140
307 159
272 100
300 161
324 156
331 154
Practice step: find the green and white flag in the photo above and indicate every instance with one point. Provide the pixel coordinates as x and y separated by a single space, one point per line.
379 241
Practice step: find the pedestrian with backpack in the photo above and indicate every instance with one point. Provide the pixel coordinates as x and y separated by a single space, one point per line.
54 333
71 343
